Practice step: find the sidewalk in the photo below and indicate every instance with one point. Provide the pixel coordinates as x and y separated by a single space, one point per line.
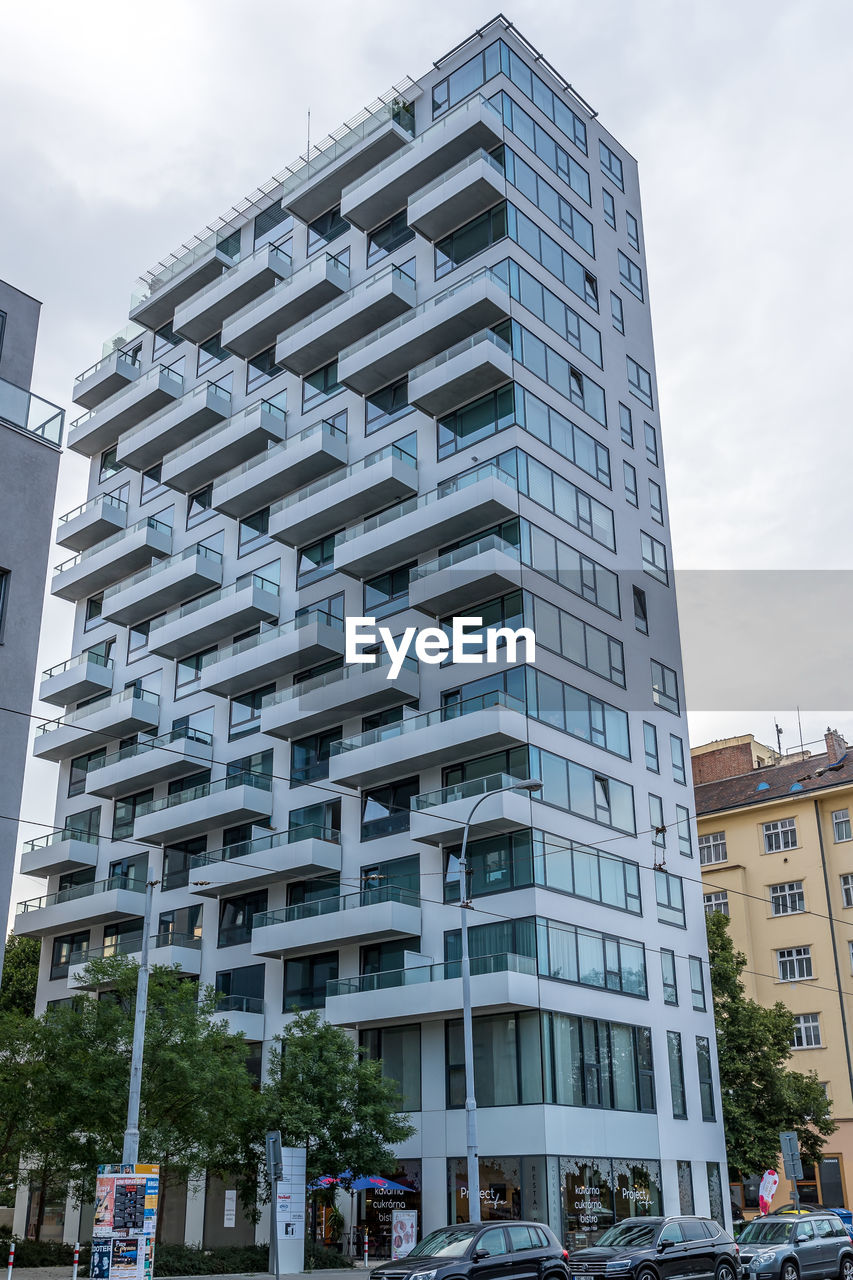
64 1273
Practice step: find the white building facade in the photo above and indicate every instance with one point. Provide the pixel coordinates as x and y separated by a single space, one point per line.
410 378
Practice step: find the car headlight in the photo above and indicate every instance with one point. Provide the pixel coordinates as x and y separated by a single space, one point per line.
619 1264
766 1255
423 1275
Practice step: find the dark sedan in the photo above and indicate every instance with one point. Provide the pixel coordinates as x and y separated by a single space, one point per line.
682 1248
483 1251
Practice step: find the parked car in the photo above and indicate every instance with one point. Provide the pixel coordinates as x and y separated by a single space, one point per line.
483 1251
786 1246
672 1248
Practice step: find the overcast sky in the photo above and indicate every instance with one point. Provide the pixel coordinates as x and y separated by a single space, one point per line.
128 128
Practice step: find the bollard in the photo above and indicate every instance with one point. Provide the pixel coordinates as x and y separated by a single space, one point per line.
365 1250
11 1259
76 1260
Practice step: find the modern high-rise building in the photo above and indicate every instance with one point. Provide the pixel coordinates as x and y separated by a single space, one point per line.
409 378
30 438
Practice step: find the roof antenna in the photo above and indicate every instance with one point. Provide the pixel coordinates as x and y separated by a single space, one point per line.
308 151
779 732
800 727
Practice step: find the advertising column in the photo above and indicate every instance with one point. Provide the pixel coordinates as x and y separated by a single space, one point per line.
125 1222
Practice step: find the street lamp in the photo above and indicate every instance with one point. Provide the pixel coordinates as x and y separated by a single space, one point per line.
530 785
130 1150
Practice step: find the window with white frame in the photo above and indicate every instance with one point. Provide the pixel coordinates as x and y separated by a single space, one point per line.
847 890
716 901
780 835
786 899
806 1031
712 847
795 964
841 825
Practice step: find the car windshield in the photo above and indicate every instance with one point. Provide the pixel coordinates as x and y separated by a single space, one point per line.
444 1244
629 1235
759 1232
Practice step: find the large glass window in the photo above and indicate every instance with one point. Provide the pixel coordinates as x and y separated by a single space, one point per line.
630 275
780 835
547 199
241 990
326 228
385 810
697 983
558 373
584 791
309 757
388 592
262 368
386 405
706 1081
320 385
670 899
611 165
398 1049
244 711
539 140
62 948
236 916
305 979
676 1075
665 688
390 236
669 976
315 561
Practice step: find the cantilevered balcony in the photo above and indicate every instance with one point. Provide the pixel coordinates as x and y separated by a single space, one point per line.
131 711
27 412
170 950
180 577
83 676
215 616
102 380
100 902
228 445
439 817
91 522
204 313
386 476
155 300
243 797
298 459
339 695
257 326
371 304
101 427
457 508
375 133
299 853
61 851
478 570
242 1015
371 915
470 127
99 566
459 731
144 764
457 196
499 984
173 426
477 302
247 664
465 371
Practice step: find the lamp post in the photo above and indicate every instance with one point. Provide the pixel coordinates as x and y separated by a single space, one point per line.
130 1148
527 784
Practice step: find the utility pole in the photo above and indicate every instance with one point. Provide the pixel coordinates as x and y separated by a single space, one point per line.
130 1149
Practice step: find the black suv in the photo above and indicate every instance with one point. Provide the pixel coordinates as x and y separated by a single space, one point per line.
661 1249
785 1247
482 1251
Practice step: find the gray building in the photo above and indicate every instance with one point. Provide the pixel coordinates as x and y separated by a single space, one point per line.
30 436
410 378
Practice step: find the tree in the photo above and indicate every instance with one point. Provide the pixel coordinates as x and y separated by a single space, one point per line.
20 975
761 1097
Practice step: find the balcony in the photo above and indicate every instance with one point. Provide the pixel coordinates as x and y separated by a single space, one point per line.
472 126
439 817
100 566
457 508
285 855
465 371
196 464
456 196
170 950
475 727
386 476
371 915
242 1014
154 302
499 984
243 797
100 381
100 902
247 664
477 302
258 325
131 711
194 413
27 412
83 676
92 522
145 764
182 576
375 133
479 570
336 696
204 313
215 616
297 460
371 304
61 851
101 427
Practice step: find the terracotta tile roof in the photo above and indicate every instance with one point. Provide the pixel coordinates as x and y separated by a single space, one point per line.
776 782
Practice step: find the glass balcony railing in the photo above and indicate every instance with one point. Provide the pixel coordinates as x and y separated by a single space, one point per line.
143 696
368 121
479 157
169 939
263 844
134 749
109 353
355 468
260 781
225 242
239 1004
123 338
59 837
391 272
290 282
127 945
329 906
273 633
207 441
334 677
100 499
78 891
505 963
458 349
153 375
28 412
284 262
150 522
452 485
453 711
451 559
252 580
79 660
160 566
463 791
187 401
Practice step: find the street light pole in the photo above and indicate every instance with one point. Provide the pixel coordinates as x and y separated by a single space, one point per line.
527 784
130 1148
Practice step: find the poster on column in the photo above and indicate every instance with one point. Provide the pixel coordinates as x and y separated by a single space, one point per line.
126 1198
404 1232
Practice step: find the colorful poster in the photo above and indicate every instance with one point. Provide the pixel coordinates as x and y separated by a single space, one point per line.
126 1200
99 1266
104 1190
404 1232
124 1263
767 1190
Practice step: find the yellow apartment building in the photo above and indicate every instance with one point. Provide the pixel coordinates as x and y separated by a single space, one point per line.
776 856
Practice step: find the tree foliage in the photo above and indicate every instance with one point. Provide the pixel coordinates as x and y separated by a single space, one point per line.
20 975
761 1097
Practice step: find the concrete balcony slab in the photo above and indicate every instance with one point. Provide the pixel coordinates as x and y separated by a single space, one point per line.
273 859
258 325
260 659
145 764
309 514
95 520
214 617
101 427
440 818
466 371
109 561
103 902
105 378
300 458
457 196
204 459
180 578
337 696
358 149
83 676
205 312
180 279
204 808
335 922
479 571
173 426
131 711
59 852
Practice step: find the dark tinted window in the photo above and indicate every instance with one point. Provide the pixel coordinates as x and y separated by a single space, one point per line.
693 1229
492 1242
523 1238
672 1231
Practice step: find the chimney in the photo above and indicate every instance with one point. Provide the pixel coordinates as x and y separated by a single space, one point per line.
836 747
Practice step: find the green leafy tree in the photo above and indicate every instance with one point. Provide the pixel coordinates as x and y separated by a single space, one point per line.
761 1097
20 975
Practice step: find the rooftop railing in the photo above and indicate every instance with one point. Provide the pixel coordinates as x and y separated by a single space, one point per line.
505 963
453 710
251 580
78 891
228 245
28 412
331 905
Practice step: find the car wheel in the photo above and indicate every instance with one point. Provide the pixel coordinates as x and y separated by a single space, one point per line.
725 1271
845 1271
790 1270
647 1274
